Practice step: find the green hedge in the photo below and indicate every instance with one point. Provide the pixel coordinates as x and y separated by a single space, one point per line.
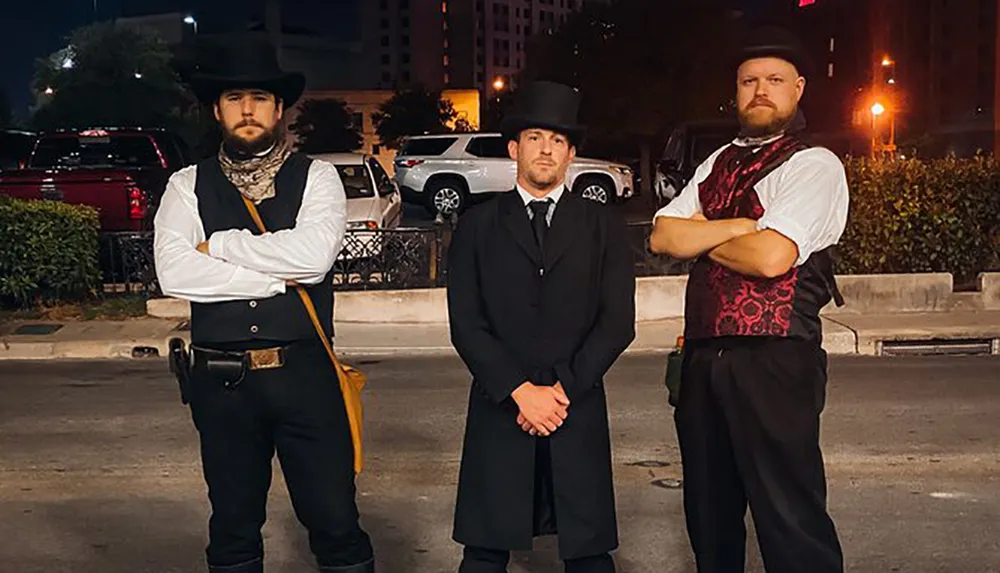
48 251
940 215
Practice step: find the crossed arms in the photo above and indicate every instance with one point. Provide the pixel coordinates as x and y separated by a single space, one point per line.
806 203
235 264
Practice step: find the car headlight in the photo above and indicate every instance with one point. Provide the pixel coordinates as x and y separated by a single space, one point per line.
626 171
362 225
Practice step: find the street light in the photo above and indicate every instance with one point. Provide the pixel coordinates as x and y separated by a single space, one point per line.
189 19
498 84
49 91
878 109
887 61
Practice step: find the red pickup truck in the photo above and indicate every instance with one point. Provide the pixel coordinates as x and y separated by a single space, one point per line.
121 172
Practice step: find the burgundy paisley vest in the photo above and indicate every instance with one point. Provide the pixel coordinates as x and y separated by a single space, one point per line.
721 302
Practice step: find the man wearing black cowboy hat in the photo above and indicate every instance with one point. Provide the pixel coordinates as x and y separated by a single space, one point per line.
760 217
541 303
260 380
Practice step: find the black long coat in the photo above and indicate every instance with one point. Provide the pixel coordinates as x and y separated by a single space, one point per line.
516 316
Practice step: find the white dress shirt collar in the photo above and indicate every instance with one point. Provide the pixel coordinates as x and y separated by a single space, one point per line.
555 195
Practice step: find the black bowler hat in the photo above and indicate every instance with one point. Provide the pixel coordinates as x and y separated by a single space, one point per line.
545 105
245 62
775 42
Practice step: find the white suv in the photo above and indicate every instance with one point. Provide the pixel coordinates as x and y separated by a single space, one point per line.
444 172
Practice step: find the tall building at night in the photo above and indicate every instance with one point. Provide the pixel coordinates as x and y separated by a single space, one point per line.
454 44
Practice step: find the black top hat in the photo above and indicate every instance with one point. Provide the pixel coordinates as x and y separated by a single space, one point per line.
775 42
545 105
242 63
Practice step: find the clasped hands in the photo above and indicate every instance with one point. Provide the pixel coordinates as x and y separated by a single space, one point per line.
203 249
543 409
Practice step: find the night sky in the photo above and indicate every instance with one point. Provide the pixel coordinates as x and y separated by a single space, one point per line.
39 27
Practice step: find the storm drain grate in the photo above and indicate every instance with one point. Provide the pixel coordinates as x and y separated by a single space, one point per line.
38 329
950 347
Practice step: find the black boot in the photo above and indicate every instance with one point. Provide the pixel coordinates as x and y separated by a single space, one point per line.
366 567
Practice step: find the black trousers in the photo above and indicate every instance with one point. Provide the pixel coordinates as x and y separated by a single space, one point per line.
748 425
298 411
483 560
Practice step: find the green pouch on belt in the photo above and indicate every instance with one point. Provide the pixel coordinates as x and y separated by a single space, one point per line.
673 375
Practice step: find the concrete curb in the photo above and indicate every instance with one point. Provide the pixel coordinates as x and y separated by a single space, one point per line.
354 340
662 298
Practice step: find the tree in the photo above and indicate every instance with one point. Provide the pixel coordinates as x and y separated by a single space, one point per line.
109 76
642 66
6 116
325 126
413 112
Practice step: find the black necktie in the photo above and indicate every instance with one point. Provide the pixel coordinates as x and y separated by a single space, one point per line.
539 220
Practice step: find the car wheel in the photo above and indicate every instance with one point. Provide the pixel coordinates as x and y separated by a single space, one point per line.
595 189
446 196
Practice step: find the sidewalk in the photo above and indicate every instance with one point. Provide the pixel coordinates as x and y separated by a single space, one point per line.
844 334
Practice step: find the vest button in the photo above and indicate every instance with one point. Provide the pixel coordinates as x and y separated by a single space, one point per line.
254 329
253 304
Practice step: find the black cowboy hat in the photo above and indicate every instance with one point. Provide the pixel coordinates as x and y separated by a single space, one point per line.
243 63
545 105
776 42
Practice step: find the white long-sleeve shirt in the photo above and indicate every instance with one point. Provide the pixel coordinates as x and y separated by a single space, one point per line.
241 265
805 199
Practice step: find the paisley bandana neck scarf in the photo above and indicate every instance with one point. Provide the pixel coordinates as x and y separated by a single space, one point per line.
254 177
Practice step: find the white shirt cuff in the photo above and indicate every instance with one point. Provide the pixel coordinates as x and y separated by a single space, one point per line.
791 230
216 246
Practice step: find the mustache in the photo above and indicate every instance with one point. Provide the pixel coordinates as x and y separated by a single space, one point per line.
761 102
248 123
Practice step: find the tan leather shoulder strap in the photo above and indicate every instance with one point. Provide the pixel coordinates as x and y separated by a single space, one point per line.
306 300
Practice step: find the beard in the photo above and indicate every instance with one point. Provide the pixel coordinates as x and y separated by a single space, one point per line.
542 179
752 125
239 147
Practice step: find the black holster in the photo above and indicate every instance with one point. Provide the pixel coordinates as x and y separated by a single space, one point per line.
180 366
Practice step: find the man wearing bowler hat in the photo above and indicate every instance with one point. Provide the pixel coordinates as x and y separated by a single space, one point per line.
759 217
260 380
541 303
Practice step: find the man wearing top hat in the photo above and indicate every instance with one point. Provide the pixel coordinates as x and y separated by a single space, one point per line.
759 217
541 304
261 381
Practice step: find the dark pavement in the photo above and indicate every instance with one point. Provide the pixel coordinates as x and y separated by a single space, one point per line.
99 470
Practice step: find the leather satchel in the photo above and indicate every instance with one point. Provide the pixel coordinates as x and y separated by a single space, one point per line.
352 381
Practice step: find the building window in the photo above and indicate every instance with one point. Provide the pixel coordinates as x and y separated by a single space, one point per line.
406 77
384 4
405 22
385 40
384 23
385 59
386 77
405 40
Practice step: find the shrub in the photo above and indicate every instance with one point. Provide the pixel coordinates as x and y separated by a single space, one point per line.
914 215
48 251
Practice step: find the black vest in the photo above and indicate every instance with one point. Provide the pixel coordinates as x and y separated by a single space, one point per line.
256 323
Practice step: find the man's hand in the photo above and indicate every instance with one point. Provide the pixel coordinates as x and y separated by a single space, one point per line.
542 408
202 247
526 425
